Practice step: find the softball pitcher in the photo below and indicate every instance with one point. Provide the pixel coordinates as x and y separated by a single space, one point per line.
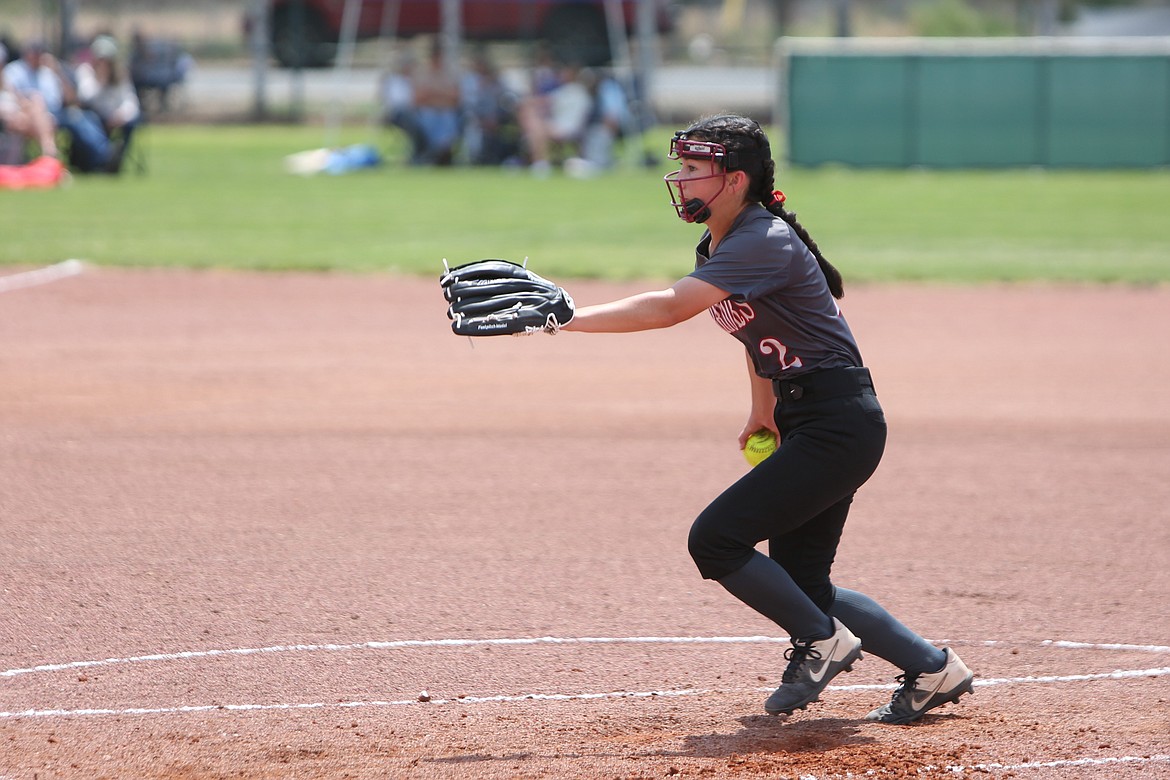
764 280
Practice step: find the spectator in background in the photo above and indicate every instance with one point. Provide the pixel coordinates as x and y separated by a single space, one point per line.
105 88
558 116
38 74
608 121
396 96
546 73
436 103
25 118
490 134
157 66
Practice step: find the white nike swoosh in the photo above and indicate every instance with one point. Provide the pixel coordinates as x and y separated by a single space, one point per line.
818 674
919 698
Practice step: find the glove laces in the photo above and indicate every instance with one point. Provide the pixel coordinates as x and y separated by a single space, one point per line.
551 326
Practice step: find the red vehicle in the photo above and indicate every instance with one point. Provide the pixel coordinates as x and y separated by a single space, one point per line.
306 32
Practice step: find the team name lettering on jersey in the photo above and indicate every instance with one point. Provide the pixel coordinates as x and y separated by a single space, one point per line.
732 315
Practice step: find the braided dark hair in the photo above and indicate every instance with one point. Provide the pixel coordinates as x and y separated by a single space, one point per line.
753 156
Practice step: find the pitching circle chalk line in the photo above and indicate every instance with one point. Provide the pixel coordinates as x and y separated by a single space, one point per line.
544 640
537 697
51 273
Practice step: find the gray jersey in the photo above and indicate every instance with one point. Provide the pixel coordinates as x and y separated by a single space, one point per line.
778 303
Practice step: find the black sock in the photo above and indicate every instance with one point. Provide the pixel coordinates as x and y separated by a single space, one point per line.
882 635
764 586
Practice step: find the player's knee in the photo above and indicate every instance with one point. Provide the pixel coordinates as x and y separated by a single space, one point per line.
713 552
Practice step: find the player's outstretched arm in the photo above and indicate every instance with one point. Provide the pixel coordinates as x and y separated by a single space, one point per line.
648 310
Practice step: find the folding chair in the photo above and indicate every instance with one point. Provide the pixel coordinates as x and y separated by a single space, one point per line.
134 155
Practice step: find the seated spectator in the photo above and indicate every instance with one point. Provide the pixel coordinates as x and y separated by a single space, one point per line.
396 96
556 117
104 88
157 66
26 119
436 104
607 122
39 74
546 71
490 134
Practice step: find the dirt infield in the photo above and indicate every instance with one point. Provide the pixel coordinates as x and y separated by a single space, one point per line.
247 520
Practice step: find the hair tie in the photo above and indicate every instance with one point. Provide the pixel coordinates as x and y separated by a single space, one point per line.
777 197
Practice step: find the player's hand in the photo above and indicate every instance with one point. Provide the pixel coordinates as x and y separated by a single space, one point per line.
757 423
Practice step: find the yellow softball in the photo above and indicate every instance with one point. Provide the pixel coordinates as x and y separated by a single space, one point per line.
759 445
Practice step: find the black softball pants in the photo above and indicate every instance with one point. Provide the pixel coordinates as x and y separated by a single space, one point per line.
833 433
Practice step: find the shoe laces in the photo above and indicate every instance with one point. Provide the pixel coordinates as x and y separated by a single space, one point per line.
906 683
797 655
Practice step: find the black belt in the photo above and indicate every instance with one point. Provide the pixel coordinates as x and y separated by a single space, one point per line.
819 385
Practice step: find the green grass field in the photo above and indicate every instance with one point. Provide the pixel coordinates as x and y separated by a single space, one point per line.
219 197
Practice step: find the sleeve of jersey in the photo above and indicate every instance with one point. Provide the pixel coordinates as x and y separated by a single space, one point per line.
748 266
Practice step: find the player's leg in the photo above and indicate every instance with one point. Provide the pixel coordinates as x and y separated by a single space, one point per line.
777 497
824 456
931 677
826 452
884 635
806 554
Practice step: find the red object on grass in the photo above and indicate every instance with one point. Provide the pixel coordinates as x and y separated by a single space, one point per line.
41 173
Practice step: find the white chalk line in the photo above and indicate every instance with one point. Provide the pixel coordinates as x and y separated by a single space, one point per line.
392 645
1064 763
544 640
535 697
427 701
52 273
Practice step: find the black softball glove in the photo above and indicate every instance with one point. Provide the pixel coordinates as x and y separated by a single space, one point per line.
502 298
